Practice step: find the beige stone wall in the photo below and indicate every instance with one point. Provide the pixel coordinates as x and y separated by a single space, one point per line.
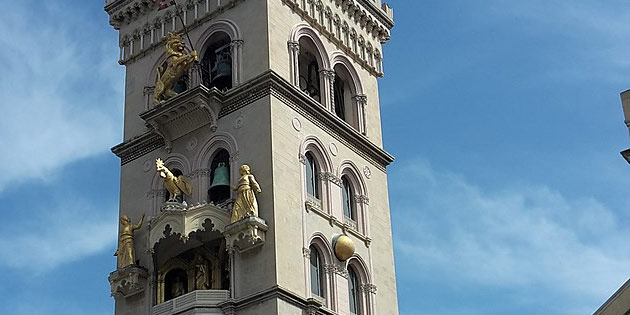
295 227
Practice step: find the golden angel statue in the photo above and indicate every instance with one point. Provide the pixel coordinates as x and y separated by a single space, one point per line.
176 186
177 64
245 204
125 252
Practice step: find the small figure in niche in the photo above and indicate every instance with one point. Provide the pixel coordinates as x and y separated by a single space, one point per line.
179 287
246 204
201 278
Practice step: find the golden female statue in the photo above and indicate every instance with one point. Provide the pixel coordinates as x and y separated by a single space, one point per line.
177 64
125 252
245 204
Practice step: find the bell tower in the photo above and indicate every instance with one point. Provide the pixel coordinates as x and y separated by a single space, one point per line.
253 175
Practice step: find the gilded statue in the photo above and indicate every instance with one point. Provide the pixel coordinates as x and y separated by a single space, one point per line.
245 204
177 64
176 186
125 252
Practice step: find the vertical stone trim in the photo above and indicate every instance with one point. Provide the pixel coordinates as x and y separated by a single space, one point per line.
236 50
329 88
148 96
294 52
360 103
328 81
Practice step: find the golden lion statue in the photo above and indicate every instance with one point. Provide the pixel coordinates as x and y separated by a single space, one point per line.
176 186
177 64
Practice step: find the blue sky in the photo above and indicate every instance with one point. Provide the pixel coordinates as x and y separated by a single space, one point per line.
508 194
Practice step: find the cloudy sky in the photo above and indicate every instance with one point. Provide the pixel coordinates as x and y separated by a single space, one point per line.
508 194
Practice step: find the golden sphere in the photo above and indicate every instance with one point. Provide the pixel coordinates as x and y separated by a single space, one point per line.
344 248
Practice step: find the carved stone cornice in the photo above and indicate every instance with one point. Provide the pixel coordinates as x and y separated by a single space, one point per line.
138 146
275 292
266 84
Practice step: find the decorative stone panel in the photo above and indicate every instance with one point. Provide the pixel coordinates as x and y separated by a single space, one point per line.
128 281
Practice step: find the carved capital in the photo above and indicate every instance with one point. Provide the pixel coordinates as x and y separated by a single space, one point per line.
306 252
327 176
294 46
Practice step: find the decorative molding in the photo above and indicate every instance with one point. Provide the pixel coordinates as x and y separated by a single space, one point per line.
137 147
362 199
368 288
275 292
330 177
338 269
306 252
266 84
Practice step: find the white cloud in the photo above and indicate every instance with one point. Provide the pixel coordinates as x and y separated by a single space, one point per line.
63 233
58 100
531 239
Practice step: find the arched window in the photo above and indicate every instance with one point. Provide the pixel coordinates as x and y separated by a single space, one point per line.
353 292
176 172
347 196
309 68
220 177
216 63
317 272
312 171
344 91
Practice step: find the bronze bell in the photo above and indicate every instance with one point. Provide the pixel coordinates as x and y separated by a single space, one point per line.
220 187
222 71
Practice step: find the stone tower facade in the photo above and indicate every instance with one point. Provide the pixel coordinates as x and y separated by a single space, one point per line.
290 88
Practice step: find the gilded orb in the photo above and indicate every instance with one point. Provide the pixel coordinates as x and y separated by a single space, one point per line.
344 248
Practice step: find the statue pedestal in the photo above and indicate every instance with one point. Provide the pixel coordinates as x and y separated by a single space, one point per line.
128 281
173 206
246 234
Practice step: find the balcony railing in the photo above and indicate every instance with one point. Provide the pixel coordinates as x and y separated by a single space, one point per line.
208 300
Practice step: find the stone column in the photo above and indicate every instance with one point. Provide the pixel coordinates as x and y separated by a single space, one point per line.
294 53
360 103
236 50
329 89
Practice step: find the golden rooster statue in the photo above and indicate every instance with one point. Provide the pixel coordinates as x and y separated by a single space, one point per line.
176 186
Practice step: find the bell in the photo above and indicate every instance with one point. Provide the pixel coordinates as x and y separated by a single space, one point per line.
220 188
222 71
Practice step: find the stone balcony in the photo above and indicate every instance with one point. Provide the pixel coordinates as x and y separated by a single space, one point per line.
204 302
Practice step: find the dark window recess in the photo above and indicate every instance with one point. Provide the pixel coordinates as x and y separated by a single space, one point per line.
340 99
220 177
216 64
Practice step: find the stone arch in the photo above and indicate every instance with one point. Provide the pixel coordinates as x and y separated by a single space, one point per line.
339 58
219 141
316 147
319 241
304 30
351 170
